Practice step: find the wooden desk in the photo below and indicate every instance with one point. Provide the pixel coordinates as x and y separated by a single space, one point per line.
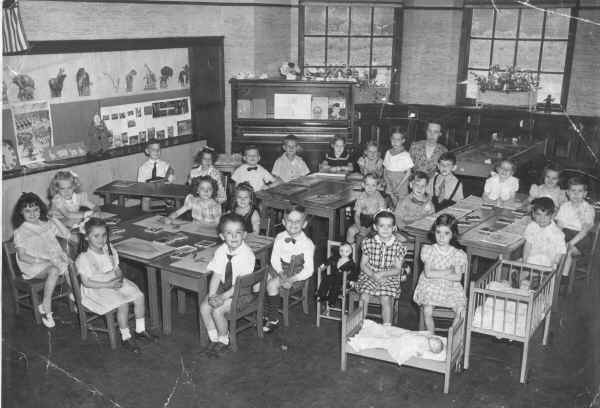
126 188
322 196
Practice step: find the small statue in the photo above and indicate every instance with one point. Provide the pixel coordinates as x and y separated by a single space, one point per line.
83 82
548 104
26 86
289 70
166 72
129 80
184 76
56 84
99 136
115 82
150 78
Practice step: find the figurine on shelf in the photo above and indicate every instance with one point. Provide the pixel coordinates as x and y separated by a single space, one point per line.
56 84
26 86
548 104
150 79
129 80
166 73
289 70
83 82
184 76
99 137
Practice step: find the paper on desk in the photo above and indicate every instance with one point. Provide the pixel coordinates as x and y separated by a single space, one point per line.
124 184
498 237
518 226
141 248
196 262
157 222
200 229
471 202
104 215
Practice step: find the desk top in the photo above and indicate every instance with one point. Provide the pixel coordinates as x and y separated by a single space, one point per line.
134 188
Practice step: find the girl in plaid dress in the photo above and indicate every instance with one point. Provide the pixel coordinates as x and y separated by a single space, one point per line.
201 201
445 264
381 265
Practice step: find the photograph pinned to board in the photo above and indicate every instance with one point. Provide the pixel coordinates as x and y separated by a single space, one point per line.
33 131
292 106
184 127
337 108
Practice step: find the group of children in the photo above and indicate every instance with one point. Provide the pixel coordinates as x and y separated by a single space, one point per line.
413 193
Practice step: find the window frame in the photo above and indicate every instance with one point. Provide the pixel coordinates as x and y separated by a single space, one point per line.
463 71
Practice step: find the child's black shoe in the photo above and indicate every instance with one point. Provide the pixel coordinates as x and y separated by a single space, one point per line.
129 345
146 337
271 326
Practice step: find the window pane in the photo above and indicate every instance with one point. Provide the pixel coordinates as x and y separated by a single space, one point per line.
383 21
553 56
361 21
337 51
531 24
472 87
479 53
382 51
314 22
482 22
359 51
550 85
337 20
528 53
506 23
314 51
504 53
382 76
557 26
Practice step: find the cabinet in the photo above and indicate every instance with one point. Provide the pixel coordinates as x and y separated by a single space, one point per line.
263 112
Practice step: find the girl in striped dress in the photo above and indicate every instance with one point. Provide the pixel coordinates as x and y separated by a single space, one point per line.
445 264
381 265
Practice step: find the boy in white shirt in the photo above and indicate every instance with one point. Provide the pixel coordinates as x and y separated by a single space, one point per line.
501 187
232 259
289 166
544 240
291 259
154 169
252 172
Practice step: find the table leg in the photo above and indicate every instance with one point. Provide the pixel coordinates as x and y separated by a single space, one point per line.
332 227
121 199
166 301
180 301
107 199
153 296
202 291
341 213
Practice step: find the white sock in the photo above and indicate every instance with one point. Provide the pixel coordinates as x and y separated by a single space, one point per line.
140 325
125 334
387 324
224 340
213 335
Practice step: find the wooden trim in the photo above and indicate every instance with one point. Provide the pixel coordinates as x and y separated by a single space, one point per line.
396 70
177 3
564 94
463 56
301 26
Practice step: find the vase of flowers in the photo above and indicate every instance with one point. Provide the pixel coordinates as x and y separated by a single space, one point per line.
289 70
509 87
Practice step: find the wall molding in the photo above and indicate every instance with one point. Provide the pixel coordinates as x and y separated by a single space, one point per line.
177 3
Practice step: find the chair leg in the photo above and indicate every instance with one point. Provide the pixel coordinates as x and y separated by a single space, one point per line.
572 272
180 301
233 333
286 307
421 319
467 350
112 329
35 302
318 313
83 324
344 362
547 328
305 298
16 299
446 382
524 361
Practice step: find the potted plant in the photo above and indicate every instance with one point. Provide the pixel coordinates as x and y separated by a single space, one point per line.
509 86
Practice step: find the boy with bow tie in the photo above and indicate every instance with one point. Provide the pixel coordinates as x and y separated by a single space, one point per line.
292 262
252 172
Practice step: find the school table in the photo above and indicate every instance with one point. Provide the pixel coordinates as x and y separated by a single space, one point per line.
122 189
322 196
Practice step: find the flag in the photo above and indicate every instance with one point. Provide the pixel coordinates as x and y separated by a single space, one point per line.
13 34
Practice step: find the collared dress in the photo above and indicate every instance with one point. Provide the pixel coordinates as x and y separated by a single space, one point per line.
203 211
381 256
288 170
424 163
215 174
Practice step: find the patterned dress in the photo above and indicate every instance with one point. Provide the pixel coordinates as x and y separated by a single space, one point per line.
381 256
203 211
418 153
367 166
441 292
215 175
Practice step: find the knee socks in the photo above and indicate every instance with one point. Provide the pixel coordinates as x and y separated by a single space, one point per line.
272 307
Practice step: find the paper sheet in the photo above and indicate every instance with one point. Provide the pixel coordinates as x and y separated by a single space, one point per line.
196 262
142 249
157 222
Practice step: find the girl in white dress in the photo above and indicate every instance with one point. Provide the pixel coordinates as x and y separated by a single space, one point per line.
39 255
68 199
103 287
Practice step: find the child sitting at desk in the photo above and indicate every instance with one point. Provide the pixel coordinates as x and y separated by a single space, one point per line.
417 204
232 259
544 241
396 168
550 188
201 201
154 169
367 204
252 172
337 160
576 218
204 167
502 186
370 161
289 165
445 189
68 203
244 205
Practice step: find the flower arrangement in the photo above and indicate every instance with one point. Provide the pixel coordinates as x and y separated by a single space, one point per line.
289 70
510 79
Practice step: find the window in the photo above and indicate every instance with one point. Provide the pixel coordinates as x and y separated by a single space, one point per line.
359 37
525 38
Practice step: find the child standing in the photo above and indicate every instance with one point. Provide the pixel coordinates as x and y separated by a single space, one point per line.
68 199
291 259
201 201
397 164
367 204
232 259
39 255
337 160
370 161
417 204
576 218
331 283
445 189
550 188
204 167
445 264
244 205
252 172
426 153
289 166
544 241
103 287
381 265
154 169
501 186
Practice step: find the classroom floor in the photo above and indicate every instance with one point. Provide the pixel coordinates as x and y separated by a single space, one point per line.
293 367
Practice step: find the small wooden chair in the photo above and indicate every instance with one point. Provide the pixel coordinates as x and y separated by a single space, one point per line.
28 292
586 259
297 294
251 312
86 317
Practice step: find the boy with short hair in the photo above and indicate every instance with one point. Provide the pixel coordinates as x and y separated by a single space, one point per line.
544 241
291 259
416 204
576 218
289 166
232 259
444 188
252 172
154 169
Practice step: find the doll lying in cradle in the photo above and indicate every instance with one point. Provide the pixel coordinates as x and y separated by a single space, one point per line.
400 343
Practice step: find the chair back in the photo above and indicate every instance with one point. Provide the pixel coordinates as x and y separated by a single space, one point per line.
75 283
244 284
9 254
